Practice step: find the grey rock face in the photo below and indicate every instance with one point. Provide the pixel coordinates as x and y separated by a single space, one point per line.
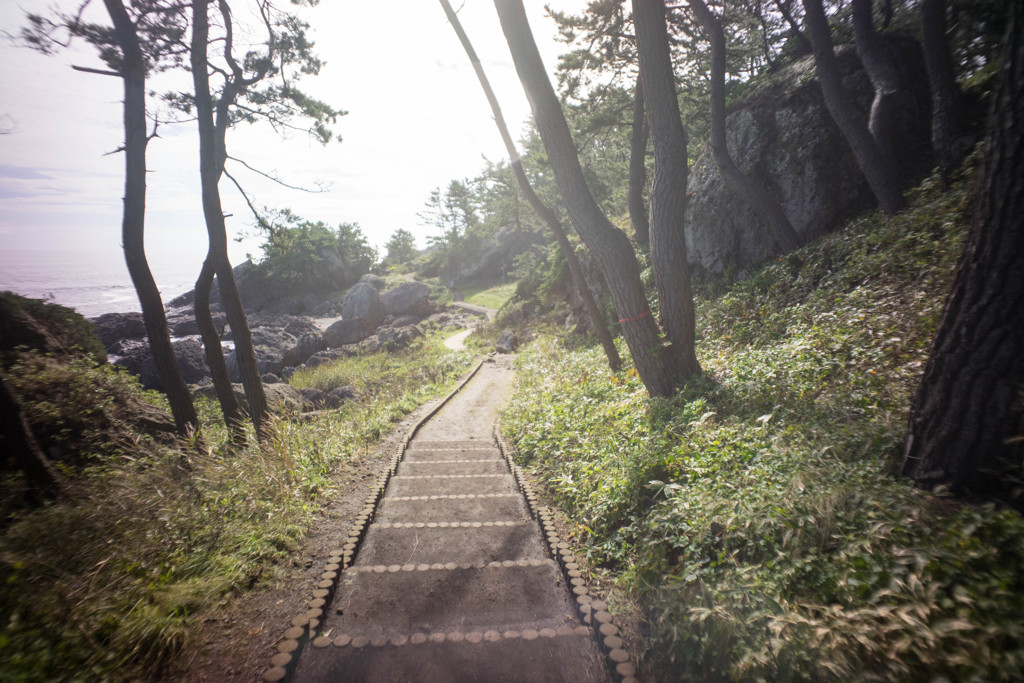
507 342
112 328
363 302
784 135
410 297
346 331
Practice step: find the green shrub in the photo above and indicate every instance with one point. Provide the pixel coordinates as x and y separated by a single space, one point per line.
754 515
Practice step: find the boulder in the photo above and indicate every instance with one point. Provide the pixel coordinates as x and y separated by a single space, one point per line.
314 397
406 320
362 302
270 345
329 356
309 343
346 331
409 297
376 280
782 133
394 338
507 342
270 378
339 395
280 397
112 328
188 352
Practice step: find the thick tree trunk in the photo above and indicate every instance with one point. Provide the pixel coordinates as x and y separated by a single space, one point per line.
783 6
539 207
880 175
212 156
885 78
947 100
16 438
133 72
610 246
746 188
638 167
234 417
967 421
668 193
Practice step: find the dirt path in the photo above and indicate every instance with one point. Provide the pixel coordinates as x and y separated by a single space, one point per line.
448 577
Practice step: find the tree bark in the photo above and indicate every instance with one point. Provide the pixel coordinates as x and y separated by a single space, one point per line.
947 100
212 156
884 75
16 438
609 245
668 193
540 208
234 417
133 73
746 188
880 175
967 421
638 168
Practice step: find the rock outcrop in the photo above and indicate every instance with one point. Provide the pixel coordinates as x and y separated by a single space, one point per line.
782 133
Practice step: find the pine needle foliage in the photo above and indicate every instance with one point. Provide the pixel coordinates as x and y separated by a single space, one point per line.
754 515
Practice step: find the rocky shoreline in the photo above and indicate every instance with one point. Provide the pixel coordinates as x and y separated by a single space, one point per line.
304 332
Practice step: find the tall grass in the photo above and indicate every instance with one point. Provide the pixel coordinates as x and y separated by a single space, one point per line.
754 515
106 583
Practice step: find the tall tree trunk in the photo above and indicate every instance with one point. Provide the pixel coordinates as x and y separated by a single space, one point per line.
638 167
967 421
610 246
234 418
212 157
133 73
880 175
668 193
540 208
746 188
885 78
947 100
16 438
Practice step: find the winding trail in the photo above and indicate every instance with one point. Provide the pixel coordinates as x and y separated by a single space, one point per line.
451 579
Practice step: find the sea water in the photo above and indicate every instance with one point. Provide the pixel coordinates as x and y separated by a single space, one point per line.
92 283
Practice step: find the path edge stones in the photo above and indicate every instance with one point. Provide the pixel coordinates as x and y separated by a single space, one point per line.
302 628
591 610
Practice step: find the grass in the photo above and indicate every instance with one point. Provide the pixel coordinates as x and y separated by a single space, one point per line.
754 516
106 583
487 294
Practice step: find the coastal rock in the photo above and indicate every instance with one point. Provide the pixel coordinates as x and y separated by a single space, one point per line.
339 395
112 328
330 356
280 397
394 338
376 280
346 331
314 397
309 343
270 345
507 342
190 357
409 297
363 302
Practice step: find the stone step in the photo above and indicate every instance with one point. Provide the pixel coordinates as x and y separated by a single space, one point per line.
458 508
432 454
438 467
400 546
450 484
557 656
417 444
380 601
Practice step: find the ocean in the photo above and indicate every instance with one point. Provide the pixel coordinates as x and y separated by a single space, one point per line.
92 283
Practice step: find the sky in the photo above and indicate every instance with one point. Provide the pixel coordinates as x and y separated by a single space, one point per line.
417 119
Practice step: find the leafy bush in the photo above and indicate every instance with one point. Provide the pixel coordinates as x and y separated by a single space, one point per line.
754 515
46 327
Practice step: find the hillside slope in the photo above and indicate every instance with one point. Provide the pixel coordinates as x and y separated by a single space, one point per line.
754 518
